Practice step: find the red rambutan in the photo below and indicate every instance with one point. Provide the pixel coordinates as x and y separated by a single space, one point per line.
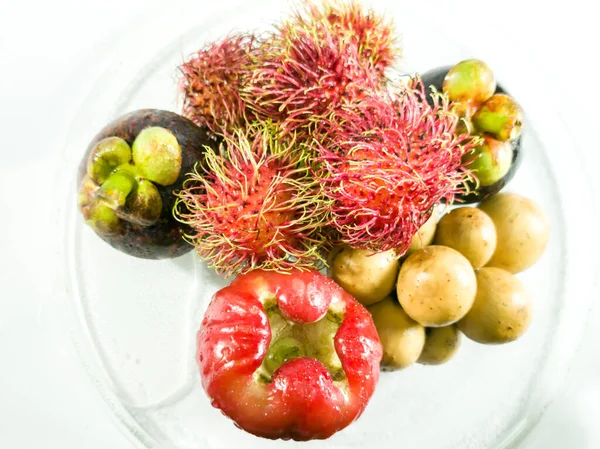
257 205
211 81
372 33
389 160
306 69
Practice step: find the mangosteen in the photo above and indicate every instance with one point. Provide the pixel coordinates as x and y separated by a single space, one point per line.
498 120
129 176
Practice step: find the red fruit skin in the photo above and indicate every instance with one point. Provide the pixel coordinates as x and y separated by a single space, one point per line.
302 299
302 402
386 162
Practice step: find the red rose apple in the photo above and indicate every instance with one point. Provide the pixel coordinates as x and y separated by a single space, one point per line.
288 355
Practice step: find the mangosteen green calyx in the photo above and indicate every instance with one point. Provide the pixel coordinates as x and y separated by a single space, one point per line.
490 161
128 177
470 82
500 117
486 110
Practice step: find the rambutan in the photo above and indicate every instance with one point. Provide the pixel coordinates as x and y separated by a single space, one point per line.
372 34
389 160
303 71
211 81
256 205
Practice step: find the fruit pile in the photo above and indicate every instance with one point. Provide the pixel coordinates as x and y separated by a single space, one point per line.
312 101
458 275
301 149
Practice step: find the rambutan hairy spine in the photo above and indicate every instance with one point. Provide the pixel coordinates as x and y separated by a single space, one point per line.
373 34
388 161
300 74
211 81
256 205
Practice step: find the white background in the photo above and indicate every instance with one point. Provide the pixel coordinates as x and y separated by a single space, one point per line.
46 400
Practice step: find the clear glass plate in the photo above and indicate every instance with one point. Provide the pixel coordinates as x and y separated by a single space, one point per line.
134 321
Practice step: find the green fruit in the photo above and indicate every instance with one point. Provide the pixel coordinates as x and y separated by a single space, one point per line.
490 161
116 188
144 205
105 156
101 218
501 117
471 82
157 155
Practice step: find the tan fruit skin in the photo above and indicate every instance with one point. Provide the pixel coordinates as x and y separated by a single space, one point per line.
436 286
366 276
401 337
471 232
441 344
424 235
502 310
522 231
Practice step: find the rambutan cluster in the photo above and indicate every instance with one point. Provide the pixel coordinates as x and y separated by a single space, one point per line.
318 147
256 205
389 159
320 58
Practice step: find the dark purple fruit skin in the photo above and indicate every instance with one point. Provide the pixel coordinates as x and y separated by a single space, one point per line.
435 78
162 240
